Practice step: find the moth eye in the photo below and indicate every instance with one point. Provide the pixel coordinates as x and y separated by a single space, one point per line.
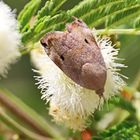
86 41
79 21
44 44
62 57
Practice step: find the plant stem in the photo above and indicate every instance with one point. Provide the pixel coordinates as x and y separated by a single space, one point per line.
119 31
136 83
14 108
28 115
10 122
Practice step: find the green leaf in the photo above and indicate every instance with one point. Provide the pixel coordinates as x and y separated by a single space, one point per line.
95 12
28 11
121 17
136 23
59 26
25 28
100 15
127 130
44 25
124 104
50 8
27 36
86 6
50 24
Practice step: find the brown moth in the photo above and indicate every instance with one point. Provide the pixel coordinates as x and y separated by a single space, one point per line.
76 52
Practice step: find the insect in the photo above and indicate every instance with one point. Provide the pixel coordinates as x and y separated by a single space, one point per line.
76 52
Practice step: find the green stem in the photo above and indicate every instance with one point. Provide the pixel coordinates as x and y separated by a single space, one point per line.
28 115
12 123
136 83
119 31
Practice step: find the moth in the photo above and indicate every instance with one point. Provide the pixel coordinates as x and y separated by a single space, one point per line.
76 52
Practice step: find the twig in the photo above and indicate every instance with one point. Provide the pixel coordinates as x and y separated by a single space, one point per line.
28 115
13 108
119 31
10 122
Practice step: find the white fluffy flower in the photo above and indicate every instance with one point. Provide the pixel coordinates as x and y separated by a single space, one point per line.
9 38
70 103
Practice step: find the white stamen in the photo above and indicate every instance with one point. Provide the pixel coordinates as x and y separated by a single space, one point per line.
70 103
9 38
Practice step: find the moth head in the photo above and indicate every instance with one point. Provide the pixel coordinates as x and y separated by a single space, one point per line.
44 43
51 40
54 47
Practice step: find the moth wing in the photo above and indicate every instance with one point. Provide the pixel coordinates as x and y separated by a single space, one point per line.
93 76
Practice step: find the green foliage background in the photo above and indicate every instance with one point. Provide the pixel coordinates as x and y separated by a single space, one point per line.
20 79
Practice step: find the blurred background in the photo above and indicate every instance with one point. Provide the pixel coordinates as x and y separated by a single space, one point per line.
20 79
